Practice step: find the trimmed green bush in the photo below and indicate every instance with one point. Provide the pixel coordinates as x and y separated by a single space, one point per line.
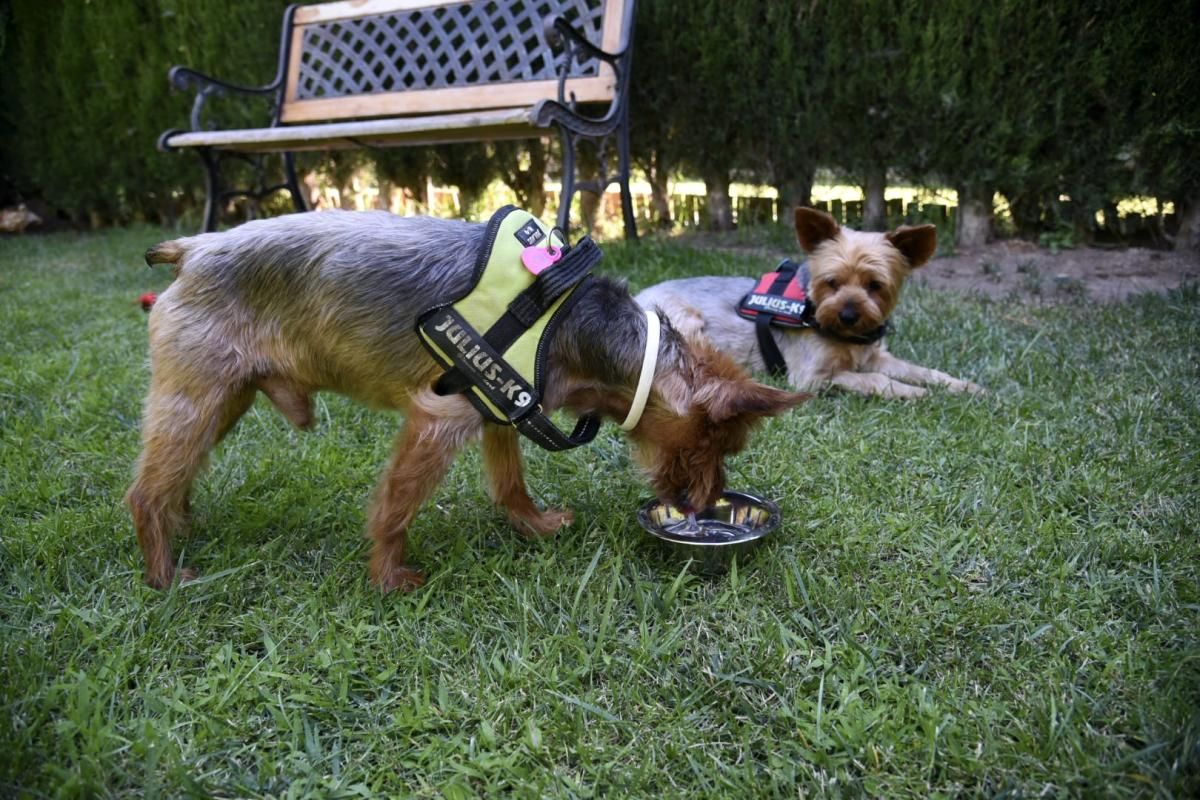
1040 101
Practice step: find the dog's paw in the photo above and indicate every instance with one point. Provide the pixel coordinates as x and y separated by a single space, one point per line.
964 387
400 579
164 581
546 523
903 391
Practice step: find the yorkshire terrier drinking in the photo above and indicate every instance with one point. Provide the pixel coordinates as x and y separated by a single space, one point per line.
833 323
332 301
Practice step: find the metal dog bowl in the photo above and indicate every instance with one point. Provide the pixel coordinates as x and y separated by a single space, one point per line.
733 526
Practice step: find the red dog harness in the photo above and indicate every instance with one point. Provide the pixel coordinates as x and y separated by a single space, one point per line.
780 298
781 295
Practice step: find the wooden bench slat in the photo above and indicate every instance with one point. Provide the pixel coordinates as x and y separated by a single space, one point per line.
504 95
494 124
614 17
354 8
351 9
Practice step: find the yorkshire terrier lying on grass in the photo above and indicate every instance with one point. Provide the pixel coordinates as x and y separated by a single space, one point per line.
855 284
328 301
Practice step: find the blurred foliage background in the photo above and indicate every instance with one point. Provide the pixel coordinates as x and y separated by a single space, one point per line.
1058 107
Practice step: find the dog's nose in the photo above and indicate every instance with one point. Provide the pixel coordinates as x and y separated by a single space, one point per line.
848 315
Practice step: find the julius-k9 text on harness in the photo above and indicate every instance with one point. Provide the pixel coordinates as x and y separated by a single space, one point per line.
780 298
494 339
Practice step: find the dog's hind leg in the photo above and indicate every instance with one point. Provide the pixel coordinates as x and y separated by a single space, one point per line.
180 426
686 319
502 460
435 430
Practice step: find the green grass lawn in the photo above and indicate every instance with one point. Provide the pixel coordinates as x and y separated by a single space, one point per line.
994 596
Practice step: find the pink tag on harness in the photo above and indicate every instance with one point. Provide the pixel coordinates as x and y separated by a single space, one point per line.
538 258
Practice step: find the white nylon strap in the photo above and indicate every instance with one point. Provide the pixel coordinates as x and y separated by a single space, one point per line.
649 362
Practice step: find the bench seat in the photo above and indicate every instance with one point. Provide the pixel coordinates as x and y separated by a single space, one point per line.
501 123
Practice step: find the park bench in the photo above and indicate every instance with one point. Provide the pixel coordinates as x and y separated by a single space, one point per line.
387 73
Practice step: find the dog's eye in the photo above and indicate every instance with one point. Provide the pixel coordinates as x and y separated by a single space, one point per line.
874 286
831 283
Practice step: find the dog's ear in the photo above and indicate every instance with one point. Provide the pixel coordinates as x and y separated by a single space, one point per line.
813 227
917 243
750 400
724 390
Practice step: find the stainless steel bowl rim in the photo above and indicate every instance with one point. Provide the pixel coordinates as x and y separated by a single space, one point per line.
748 535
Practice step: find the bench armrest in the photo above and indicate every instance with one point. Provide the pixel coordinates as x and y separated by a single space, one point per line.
560 33
206 86
566 111
184 78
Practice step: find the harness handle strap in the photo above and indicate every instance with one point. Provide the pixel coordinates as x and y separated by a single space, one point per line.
766 343
541 429
762 321
529 306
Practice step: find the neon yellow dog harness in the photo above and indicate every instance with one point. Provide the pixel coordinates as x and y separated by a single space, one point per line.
494 339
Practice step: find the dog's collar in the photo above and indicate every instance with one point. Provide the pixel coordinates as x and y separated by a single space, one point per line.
782 299
871 337
646 376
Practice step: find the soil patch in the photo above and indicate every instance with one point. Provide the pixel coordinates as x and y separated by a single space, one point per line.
1020 269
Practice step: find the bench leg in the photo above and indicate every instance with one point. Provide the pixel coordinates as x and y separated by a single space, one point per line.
293 182
215 195
623 170
212 189
568 182
570 185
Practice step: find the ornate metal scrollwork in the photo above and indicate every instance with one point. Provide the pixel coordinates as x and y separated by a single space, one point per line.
577 125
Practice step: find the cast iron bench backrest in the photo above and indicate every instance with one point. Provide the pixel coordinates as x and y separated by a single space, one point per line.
370 58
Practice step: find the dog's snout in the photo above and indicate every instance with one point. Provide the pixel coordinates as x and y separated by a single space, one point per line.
848 315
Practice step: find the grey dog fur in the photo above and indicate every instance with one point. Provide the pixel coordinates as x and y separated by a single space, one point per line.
355 282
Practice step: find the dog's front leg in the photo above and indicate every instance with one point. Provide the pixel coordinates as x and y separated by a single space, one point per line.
502 460
903 370
875 383
435 430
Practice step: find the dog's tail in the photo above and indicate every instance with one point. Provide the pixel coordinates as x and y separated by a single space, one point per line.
171 252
